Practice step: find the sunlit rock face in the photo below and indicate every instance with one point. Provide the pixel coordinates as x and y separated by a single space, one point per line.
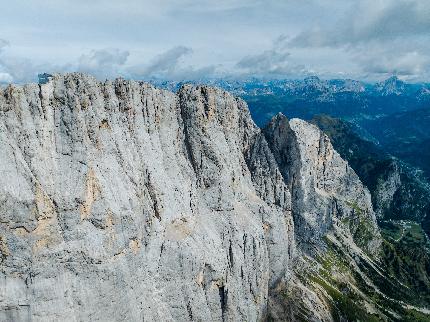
120 201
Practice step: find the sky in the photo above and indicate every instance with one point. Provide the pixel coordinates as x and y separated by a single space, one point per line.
183 39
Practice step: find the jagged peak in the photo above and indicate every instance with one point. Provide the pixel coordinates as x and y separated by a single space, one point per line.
391 86
277 118
278 129
86 78
312 79
392 79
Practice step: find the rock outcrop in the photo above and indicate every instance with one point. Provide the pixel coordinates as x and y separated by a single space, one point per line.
326 192
120 201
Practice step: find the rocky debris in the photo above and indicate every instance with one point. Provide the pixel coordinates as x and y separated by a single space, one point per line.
120 201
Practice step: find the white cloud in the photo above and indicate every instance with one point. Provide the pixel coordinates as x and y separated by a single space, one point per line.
103 63
171 64
271 62
5 78
409 64
3 44
381 37
227 37
370 21
167 62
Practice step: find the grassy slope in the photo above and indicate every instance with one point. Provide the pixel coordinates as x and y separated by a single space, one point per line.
405 259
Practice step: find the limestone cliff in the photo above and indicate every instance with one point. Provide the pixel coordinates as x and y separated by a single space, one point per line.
120 201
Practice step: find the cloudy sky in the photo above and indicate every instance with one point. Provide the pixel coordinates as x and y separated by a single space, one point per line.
186 39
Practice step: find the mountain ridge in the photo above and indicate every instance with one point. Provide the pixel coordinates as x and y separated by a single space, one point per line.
123 201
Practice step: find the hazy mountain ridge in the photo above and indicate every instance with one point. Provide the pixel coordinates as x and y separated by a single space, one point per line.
393 83
311 87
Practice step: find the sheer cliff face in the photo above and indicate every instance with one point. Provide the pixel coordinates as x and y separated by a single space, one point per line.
119 201
326 193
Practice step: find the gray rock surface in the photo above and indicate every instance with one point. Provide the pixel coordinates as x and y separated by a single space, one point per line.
326 192
386 189
120 201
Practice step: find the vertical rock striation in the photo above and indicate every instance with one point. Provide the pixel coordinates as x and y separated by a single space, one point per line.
326 192
120 201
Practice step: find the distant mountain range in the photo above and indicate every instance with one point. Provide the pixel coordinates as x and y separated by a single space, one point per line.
255 86
314 89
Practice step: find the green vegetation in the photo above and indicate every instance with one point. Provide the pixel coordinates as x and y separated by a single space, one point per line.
415 316
410 267
331 261
336 277
346 283
343 305
408 138
360 226
408 232
355 206
404 278
392 231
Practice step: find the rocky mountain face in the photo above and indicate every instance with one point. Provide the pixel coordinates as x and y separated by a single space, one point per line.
391 86
120 201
